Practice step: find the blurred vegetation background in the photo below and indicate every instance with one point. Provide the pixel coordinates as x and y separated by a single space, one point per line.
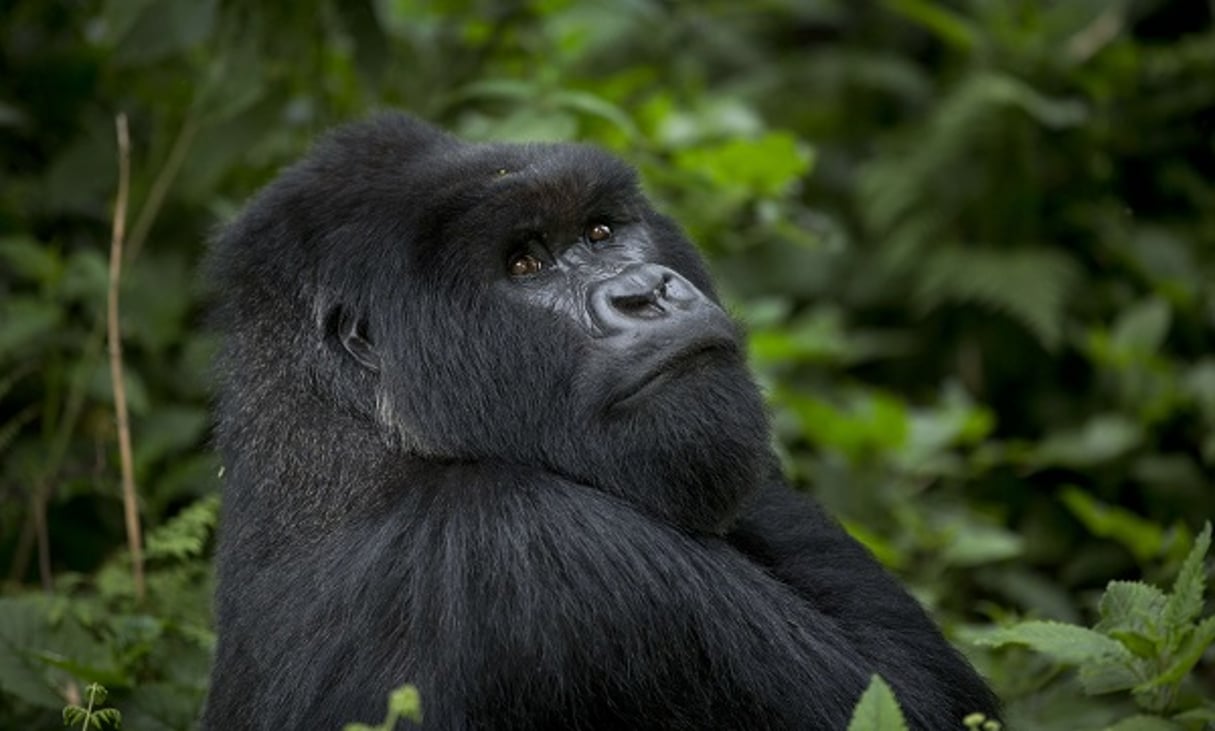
974 242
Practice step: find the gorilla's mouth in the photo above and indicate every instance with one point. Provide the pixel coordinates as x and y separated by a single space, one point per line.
656 372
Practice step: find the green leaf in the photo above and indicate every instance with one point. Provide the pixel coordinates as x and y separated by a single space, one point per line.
1065 643
594 106
24 320
1191 651
1030 285
406 702
1104 437
30 259
24 630
814 338
765 166
1144 723
1186 601
1133 609
972 543
871 422
73 715
107 718
1143 327
1109 676
1143 538
97 693
877 709
1140 645
186 534
950 27
1204 714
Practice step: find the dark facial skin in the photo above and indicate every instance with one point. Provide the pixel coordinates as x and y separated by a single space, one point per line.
488 430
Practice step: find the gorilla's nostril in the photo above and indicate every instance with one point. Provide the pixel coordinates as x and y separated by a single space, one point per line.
660 292
645 306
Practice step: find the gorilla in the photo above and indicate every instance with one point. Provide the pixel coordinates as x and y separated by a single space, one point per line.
487 430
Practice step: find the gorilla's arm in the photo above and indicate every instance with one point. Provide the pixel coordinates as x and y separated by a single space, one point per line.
516 600
799 544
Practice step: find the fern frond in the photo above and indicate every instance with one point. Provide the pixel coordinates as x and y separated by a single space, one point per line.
1029 285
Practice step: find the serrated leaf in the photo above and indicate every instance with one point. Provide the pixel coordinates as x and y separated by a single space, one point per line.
1065 643
1130 610
1186 601
1191 651
877 710
1110 676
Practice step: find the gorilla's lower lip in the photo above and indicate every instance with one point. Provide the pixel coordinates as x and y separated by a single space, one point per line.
689 359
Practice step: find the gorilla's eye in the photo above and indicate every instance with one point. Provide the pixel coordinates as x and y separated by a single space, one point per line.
524 264
599 232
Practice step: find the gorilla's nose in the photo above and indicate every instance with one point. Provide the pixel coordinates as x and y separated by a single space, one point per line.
642 295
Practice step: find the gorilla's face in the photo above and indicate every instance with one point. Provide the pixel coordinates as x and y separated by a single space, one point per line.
528 306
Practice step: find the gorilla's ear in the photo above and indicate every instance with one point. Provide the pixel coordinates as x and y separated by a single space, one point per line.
351 332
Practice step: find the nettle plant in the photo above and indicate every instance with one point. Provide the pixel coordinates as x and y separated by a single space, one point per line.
1146 643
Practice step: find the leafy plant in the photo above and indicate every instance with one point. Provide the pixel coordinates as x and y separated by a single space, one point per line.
1145 643
878 710
93 716
970 241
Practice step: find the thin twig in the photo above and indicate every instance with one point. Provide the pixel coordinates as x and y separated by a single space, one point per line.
130 507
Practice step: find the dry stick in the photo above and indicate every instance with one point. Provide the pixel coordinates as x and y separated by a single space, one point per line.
134 541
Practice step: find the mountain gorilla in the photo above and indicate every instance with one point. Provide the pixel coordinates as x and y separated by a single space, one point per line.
488 430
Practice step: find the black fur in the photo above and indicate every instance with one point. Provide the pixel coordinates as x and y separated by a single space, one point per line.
434 475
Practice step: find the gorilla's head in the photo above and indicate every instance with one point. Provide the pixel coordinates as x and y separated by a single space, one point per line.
514 304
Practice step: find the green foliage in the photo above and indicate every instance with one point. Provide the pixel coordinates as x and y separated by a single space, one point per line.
185 535
93 716
404 704
1146 642
971 241
877 710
